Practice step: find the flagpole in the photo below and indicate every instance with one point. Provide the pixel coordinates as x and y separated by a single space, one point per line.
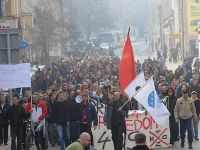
129 99
31 98
129 31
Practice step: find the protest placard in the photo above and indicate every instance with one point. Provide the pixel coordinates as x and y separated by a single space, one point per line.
137 121
15 76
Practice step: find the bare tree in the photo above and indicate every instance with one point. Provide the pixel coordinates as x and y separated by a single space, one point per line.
45 30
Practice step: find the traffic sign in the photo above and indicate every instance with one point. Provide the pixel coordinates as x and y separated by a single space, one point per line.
23 44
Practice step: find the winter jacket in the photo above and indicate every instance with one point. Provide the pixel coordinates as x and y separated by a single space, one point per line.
108 115
61 112
118 117
92 113
39 112
16 114
197 106
3 118
184 108
170 104
75 111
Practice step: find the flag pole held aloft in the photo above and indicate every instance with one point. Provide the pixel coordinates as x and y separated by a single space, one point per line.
127 69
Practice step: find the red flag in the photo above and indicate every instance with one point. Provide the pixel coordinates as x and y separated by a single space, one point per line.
127 70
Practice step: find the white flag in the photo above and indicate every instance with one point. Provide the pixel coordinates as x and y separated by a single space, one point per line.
15 76
138 81
148 97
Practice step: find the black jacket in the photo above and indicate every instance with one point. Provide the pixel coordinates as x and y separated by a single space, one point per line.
75 111
197 106
61 112
50 117
195 88
170 104
3 118
140 147
16 114
118 117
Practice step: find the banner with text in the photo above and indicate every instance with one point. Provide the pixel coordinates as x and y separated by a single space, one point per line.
15 76
137 121
193 16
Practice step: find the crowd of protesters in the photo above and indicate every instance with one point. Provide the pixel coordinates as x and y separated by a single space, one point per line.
94 75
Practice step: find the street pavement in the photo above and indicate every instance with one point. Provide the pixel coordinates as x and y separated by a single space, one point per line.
196 146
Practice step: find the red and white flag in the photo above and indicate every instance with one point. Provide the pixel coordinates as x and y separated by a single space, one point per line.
127 69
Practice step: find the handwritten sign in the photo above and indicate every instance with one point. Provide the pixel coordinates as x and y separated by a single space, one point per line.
137 121
14 76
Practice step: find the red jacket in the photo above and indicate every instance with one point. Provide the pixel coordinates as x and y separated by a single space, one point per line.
39 113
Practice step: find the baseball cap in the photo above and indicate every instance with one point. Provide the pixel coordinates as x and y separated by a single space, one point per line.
194 92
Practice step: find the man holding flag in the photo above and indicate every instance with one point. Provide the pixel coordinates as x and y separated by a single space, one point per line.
127 73
118 126
146 95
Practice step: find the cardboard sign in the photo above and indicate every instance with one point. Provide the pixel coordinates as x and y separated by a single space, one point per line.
137 121
15 76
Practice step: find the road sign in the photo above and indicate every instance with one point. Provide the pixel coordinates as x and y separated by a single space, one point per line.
23 44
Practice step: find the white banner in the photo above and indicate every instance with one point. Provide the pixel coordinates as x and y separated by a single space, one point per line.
138 81
148 97
137 121
15 76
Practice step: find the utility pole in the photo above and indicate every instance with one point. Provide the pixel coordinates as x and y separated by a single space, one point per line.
181 5
199 40
61 2
9 62
161 24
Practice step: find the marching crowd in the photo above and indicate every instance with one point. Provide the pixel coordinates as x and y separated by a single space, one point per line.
58 102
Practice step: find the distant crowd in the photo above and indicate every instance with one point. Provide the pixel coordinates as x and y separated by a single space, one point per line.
94 75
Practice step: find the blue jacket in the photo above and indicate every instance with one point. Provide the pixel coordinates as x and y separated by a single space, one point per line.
92 114
108 115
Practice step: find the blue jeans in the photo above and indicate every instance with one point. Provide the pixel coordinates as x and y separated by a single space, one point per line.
63 135
186 124
196 124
